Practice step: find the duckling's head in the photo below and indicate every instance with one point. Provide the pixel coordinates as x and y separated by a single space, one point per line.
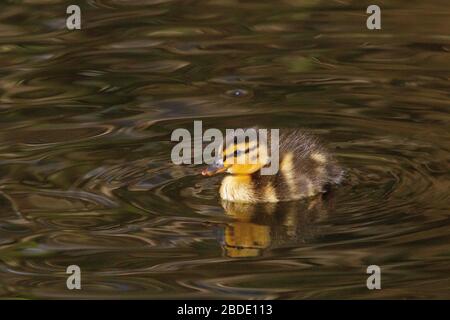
239 156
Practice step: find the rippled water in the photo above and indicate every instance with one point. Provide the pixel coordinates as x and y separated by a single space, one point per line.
85 170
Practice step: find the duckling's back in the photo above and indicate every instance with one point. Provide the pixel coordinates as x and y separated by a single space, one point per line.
306 168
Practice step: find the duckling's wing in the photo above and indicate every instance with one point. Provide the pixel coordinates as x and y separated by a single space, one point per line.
313 166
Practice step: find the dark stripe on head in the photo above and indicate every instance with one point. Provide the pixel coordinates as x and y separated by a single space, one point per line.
236 152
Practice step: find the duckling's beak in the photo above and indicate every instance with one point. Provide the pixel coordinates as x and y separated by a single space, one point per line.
213 169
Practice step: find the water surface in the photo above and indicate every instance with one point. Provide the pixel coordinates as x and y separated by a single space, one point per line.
85 171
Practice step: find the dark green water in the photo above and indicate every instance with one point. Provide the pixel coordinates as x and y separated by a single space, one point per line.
85 170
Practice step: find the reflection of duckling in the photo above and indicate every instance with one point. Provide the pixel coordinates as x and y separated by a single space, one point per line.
243 237
305 169
257 227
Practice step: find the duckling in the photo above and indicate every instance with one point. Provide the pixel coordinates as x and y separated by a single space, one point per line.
306 169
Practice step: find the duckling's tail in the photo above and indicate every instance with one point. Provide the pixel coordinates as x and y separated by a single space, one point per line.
336 174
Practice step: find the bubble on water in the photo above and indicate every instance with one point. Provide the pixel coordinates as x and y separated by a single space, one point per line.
238 93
